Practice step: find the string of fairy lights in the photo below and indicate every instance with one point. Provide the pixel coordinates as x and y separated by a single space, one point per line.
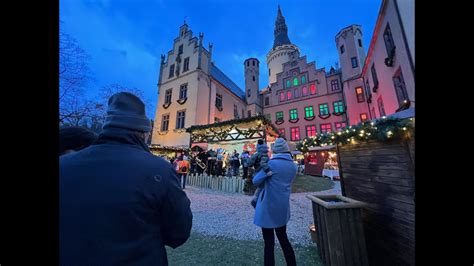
381 129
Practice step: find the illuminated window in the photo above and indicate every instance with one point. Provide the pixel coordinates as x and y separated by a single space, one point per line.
295 133
340 125
311 131
303 79
312 89
305 91
279 116
282 132
294 114
282 96
288 95
295 92
308 111
323 109
338 107
363 117
288 83
295 82
360 94
325 128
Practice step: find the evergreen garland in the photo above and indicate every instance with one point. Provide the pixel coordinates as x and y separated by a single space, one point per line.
382 129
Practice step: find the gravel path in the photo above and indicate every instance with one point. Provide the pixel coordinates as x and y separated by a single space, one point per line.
231 215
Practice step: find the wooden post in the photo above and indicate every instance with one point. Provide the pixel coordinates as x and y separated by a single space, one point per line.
341 178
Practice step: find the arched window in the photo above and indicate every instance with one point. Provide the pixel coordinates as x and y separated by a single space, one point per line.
295 82
303 79
288 83
312 89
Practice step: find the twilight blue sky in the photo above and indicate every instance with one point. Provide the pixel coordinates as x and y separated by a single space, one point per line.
125 38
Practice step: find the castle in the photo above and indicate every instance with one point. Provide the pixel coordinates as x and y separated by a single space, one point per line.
300 99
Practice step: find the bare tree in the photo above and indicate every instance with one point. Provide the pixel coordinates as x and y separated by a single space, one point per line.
74 73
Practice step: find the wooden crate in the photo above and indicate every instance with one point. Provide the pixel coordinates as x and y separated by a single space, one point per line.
340 234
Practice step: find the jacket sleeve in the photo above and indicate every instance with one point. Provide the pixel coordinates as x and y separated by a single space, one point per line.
176 215
259 178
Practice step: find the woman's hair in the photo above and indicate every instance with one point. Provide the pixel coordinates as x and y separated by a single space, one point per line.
75 138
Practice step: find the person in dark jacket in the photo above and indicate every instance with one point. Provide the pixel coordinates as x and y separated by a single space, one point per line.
119 204
73 139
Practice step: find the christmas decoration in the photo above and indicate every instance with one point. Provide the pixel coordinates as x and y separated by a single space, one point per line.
381 129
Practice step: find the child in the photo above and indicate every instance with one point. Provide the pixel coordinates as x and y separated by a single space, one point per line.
259 161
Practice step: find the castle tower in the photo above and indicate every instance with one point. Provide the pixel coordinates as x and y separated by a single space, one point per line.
351 51
251 70
282 48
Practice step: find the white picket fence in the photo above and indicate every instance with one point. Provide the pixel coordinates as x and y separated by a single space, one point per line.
220 183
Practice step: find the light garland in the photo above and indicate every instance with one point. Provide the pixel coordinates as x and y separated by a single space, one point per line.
382 129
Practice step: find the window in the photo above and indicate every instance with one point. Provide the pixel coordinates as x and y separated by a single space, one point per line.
295 133
374 77
338 107
253 63
295 82
267 101
380 105
373 112
180 119
171 74
342 49
236 112
216 120
282 96
168 96
295 93
400 88
248 92
288 95
180 50
269 72
303 79
253 78
354 62
249 113
165 121
279 116
368 93
360 42
340 125
388 39
363 117
323 109
360 94
325 128
269 117
218 100
312 89
305 91
293 114
186 64
308 111
334 85
183 91
288 83
311 131
282 132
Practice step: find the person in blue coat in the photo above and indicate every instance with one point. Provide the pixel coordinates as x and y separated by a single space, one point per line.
119 204
272 212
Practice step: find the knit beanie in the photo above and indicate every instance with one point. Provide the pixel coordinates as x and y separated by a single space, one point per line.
126 110
280 146
75 138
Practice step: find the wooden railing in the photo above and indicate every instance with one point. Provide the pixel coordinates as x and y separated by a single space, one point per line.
219 183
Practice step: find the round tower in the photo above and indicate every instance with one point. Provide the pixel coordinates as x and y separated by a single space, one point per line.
281 50
351 51
251 70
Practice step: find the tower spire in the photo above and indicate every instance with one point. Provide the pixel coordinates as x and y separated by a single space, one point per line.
281 30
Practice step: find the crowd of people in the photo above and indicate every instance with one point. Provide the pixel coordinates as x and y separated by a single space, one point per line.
121 205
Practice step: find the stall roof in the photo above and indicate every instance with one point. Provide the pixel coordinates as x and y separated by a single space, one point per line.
322 148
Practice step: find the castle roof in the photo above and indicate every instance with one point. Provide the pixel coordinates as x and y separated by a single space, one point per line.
217 74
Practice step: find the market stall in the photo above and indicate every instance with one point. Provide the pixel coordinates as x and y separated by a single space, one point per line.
166 152
322 161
